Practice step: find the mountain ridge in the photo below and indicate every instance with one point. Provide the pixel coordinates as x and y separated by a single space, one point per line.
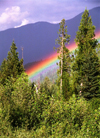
38 39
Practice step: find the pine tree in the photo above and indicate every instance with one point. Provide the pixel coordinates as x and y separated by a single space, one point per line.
86 65
12 66
64 57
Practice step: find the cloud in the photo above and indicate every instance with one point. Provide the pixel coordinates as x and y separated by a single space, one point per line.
32 11
24 22
12 16
54 11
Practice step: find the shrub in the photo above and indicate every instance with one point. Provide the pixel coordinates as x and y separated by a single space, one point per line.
5 127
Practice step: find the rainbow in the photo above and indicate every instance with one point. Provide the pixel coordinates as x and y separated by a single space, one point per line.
50 61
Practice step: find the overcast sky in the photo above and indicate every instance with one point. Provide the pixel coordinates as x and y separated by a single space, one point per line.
15 13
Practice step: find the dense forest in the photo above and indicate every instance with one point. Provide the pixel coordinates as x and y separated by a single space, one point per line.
68 107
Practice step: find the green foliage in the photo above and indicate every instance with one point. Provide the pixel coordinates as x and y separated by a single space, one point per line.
46 117
63 33
21 99
98 51
65 60
4 113
27 113
91 124
95 103
25 106
12 66
48 88
69 119
86 65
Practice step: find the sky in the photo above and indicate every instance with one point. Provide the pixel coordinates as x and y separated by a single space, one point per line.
16 13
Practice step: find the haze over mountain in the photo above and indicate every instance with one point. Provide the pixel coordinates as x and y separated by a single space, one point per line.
38 39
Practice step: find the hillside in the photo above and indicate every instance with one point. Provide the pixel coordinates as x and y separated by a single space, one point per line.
38 39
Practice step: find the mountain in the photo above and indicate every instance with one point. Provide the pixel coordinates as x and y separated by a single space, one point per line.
38 39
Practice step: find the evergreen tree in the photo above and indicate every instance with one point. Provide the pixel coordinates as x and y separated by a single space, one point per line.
12 66
86 65
64 57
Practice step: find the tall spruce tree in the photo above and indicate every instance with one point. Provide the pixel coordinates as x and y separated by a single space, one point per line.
86 66
64 57
12 66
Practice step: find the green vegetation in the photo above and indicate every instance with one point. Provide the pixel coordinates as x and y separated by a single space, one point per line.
86 66
50 112
12 66
65 61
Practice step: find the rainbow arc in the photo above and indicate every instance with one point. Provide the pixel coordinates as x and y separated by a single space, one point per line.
50 61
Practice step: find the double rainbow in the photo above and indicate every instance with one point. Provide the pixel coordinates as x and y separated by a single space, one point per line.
50 61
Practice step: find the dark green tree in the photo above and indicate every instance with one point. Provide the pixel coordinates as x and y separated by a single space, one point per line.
65 59
12 66
86 66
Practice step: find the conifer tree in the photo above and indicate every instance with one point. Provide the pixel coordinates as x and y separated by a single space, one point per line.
12 66
64 57
86 65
